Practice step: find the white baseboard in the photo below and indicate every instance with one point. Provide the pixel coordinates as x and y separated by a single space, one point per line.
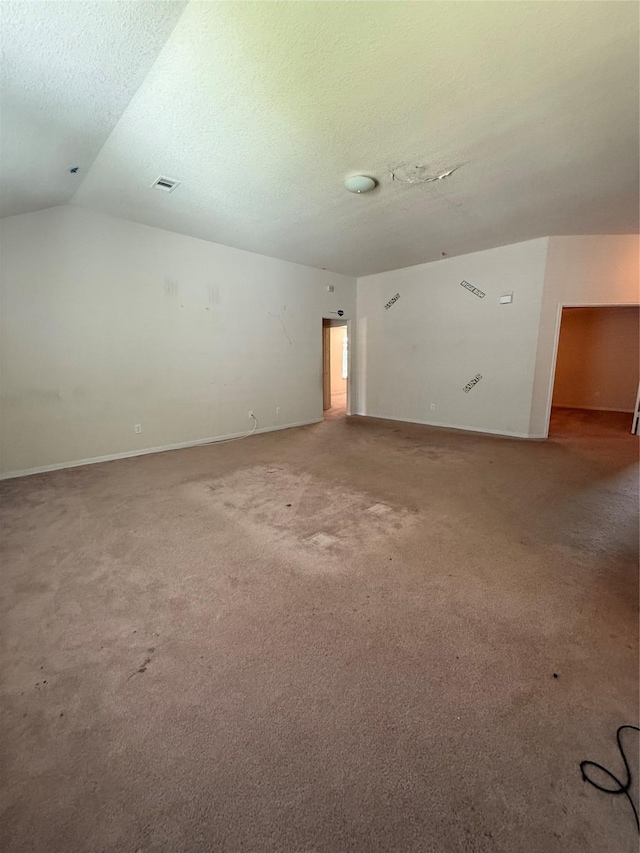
96 460
451 426
593 408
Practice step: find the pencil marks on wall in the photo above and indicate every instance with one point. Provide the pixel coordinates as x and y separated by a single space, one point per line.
280 317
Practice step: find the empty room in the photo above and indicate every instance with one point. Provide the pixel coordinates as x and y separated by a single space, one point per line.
597 369
319 414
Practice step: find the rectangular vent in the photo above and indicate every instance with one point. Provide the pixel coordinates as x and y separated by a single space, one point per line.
167 185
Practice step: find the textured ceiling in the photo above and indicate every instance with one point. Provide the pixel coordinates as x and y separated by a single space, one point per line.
262 109
69 70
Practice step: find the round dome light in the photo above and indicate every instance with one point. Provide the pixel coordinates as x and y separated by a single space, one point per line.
359 184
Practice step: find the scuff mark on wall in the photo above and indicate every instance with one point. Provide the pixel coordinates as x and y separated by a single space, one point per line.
34 395
171 286
280 317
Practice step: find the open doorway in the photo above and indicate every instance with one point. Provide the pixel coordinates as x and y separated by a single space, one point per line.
597 371
335 368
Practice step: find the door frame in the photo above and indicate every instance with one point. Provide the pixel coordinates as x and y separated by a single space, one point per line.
327 323
561 306
326 366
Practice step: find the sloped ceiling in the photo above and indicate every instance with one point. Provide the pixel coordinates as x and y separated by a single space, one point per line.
262 109
69 71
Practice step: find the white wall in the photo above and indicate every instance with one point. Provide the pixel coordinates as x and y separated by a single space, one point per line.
106 324
429 344
592 270
597 364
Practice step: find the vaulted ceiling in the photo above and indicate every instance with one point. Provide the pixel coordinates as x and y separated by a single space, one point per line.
262 109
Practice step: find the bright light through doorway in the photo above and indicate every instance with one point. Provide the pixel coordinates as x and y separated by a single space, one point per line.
336 368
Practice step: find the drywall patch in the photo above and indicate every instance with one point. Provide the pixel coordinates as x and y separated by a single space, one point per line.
473 382
473 289
392 301
419 173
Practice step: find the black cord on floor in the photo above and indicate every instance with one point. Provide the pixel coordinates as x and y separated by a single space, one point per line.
623 787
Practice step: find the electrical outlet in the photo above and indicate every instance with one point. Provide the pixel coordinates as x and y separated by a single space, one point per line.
251 415
277 410
137 429
433 407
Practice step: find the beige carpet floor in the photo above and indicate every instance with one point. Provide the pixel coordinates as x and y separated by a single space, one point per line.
336 639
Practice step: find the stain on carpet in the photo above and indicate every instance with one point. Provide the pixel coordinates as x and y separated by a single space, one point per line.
301 509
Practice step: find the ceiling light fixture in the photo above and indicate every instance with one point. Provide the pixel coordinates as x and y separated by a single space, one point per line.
359 184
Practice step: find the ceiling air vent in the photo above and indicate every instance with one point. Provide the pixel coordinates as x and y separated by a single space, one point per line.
167 185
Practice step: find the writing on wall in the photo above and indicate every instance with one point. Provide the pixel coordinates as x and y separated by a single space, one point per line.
392 300
473 289
473 382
